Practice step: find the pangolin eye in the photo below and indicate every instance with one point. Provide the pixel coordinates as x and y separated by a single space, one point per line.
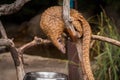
60 40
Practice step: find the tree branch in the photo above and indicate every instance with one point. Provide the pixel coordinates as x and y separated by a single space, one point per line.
36 41
17 61
16 57
11 8
14 53
106 39
66 17
5 10
73 35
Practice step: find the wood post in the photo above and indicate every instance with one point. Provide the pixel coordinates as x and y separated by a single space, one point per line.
73 65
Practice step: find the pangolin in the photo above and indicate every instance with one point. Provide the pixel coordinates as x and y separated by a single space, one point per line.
53 26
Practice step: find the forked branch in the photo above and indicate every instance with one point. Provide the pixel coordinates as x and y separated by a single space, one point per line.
14 53
36 41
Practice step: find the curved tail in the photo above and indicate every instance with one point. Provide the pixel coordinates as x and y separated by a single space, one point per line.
85 48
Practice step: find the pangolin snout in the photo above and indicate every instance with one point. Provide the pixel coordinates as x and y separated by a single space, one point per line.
60 44
62 49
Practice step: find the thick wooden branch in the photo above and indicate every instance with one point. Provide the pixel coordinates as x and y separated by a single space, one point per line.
17 61
73 75
16 57
5 10
66 17
12 8
4 41
74 70
106 39
66 10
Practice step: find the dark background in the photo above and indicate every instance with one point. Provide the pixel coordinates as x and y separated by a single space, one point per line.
37 6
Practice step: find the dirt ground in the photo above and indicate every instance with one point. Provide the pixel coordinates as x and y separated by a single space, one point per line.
32 63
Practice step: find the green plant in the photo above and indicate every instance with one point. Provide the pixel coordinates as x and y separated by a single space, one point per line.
108 55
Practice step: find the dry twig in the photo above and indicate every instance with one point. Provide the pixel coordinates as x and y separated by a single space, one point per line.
12 8
36 41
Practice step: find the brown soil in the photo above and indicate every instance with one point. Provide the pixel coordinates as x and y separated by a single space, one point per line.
32 63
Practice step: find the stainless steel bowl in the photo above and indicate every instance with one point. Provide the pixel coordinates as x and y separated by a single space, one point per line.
45 76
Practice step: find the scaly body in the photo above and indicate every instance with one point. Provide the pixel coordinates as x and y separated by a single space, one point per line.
78 22
53 25
85 48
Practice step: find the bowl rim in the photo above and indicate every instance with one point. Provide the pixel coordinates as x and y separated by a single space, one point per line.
47 74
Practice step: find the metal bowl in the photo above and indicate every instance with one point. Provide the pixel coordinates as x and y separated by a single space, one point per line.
45 76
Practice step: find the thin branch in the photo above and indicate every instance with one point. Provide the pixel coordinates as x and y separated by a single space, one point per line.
36 41
106 39
2 30
12 8
93 41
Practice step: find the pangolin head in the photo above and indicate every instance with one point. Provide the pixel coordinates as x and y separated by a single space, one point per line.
59 42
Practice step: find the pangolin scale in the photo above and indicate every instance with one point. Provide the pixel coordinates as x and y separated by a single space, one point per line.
53 26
